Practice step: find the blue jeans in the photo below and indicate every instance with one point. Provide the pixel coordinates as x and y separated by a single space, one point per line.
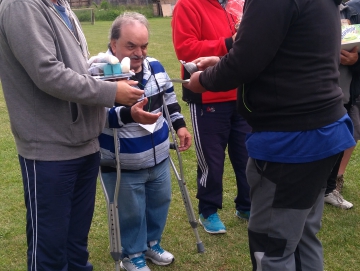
143 204
60 199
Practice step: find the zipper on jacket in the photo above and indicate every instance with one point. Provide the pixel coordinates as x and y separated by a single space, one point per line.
154 152
243 97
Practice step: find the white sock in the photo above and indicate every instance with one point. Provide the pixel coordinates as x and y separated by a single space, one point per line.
153 243
135 255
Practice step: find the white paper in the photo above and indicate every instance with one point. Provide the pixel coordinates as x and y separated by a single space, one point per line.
148 127
349 46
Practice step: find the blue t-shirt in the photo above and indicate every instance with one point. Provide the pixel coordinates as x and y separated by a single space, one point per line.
302 146
64 16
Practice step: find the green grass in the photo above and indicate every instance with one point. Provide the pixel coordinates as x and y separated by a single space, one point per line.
340 233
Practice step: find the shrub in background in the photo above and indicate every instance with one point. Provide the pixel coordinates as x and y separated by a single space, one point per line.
108 12
104 5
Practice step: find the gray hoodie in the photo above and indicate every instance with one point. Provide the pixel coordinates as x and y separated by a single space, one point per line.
56 109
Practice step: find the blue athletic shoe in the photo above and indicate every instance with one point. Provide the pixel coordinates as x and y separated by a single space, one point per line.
212 224
243 214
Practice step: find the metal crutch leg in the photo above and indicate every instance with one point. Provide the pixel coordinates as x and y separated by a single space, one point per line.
112 205
182 183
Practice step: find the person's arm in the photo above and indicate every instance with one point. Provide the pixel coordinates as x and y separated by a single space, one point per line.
33 42
118 116
189 41
184 138
126 93
349 58
255 46
140 116
176 118
202 63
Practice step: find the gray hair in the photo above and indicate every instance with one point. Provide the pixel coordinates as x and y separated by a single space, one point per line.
124 19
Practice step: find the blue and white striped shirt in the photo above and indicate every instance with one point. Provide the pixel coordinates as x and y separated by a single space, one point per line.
140 148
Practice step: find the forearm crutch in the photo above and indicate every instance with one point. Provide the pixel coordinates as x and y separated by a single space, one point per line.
112 205
181 181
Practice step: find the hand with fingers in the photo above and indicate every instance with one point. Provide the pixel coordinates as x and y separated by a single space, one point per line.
126 93
140 116
204 62
184 138
194 83
349 58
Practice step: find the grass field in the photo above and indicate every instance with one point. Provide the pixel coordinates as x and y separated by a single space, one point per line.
340 233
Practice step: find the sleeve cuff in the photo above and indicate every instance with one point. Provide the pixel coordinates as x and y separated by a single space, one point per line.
179 123
229 43
201 80
125 114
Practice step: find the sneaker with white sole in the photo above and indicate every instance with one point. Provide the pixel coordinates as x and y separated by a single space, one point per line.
334 198
212 224
158 255
134 264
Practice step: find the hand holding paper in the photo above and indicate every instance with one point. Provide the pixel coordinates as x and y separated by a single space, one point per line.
141 116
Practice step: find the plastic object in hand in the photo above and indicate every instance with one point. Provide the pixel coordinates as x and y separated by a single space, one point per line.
189 66
103 58
125 64
112 69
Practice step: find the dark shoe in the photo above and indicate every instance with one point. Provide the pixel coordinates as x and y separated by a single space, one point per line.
243 214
